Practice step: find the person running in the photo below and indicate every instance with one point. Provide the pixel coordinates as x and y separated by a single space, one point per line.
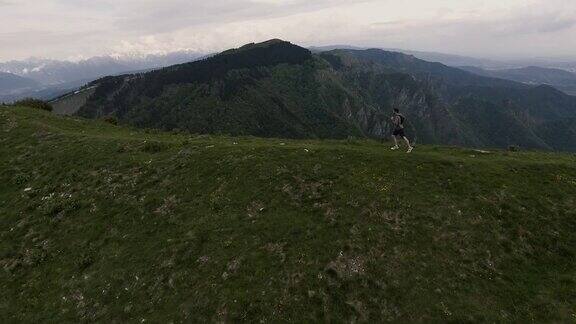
398 122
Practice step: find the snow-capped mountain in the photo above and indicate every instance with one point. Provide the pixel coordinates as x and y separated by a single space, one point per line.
52 77
53 72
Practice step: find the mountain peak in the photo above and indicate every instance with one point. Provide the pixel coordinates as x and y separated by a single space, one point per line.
274 51
274 41
267 44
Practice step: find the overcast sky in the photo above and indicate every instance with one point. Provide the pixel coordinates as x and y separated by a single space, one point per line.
67 29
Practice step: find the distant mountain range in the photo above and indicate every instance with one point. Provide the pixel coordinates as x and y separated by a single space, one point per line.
53 78
560 79
277 89
460 60
11 82
447 59
561 75
556 73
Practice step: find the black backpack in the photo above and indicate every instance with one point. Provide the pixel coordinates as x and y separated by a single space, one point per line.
402 119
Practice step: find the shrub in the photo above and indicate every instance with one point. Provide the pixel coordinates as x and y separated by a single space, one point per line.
110 120
513 148
353 140
121 149
21 179
152 147
152 131
33 103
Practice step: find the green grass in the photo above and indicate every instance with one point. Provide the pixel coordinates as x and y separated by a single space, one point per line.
109 224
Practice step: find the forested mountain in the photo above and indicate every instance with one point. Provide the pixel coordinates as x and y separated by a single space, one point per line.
277 89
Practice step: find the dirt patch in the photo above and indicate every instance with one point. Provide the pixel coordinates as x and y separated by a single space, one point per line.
328 210
232 268
276 249
168 207
9 125
43 135
254 209
304 189
360 310
394 220
346 267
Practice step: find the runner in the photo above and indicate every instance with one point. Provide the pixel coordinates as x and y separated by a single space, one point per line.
398 122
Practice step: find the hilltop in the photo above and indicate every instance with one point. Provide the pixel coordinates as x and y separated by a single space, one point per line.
113 224
278 89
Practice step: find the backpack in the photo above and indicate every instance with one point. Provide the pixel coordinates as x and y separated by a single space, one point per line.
402 119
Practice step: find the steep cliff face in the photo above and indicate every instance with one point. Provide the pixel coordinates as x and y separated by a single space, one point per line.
429 119
449 106
277 89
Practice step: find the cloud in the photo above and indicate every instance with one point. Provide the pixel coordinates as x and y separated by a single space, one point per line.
557 25
166 16
532 29
62 28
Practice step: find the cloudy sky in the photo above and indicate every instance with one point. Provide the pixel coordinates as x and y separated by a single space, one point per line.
67 29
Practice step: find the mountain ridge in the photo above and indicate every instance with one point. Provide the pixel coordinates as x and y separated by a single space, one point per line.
560 79
455 60
278 89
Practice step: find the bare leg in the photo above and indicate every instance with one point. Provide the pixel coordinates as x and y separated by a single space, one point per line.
410 148
407 141
395 143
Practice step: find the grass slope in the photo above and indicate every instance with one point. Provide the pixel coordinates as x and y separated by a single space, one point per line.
102 223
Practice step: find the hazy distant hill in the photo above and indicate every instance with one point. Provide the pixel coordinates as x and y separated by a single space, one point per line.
560 79
566 64
447 59
455 60
276 89
53 72
320 49
54 78
11 83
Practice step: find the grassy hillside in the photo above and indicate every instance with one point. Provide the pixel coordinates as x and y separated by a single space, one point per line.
102 223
